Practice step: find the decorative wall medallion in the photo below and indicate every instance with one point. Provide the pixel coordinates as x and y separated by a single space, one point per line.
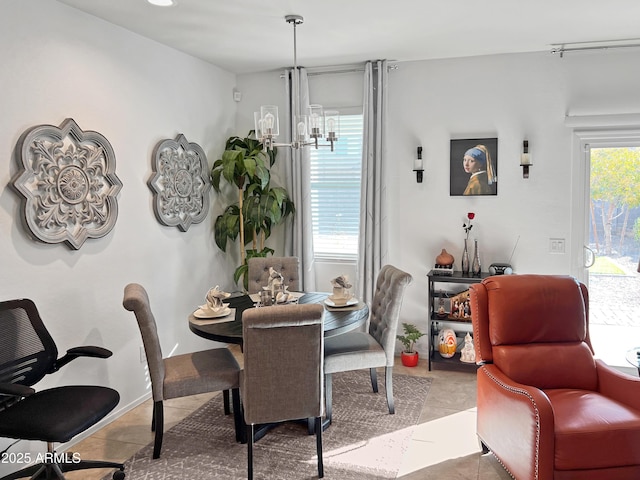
180 183
68 179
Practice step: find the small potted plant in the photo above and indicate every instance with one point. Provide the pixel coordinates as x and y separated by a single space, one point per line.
409 356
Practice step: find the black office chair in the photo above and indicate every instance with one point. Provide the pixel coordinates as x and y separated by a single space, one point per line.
54 415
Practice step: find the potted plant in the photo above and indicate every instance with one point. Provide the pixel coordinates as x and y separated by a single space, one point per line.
409 356
260 205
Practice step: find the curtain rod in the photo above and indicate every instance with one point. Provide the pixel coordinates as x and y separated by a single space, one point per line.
337 70
561 48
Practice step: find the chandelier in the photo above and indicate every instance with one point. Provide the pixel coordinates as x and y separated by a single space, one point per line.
310 127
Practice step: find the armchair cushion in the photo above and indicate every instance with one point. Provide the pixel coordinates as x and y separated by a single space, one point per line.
593 431
548 365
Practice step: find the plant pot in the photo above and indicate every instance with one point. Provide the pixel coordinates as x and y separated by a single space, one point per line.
409 359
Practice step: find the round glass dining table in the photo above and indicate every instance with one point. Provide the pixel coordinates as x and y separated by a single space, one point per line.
336 320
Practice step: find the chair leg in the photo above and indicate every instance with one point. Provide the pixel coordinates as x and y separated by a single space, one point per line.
319 446
250 452
158 416
237 414
388 383
225 397
327 396
374 379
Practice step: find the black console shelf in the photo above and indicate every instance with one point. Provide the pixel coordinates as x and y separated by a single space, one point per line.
436 322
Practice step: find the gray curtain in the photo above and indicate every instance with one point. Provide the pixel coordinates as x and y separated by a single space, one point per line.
373 237
299 237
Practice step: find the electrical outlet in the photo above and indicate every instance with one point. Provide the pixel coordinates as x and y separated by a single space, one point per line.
143 356
556 245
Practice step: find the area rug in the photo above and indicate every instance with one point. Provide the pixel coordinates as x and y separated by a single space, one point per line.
364 440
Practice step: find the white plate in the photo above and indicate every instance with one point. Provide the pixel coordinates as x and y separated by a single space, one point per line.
293 296
200 313
352 301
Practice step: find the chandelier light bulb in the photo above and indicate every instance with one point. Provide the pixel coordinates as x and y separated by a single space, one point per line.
331 125
268 122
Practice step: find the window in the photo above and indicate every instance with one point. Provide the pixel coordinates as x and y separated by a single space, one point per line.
335 193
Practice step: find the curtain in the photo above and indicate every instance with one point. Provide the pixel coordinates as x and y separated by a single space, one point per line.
373 235
299 238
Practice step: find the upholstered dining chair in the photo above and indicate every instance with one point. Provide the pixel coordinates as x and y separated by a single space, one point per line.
282 375
55 415
258 272
182 375
547 408
374 348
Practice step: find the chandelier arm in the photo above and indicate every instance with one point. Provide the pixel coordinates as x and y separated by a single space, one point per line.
266 122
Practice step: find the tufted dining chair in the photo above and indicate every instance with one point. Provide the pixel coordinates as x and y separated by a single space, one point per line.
547 408
182 375
376 347
258 272
282 375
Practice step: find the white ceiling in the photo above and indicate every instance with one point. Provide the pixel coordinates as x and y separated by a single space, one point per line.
244 36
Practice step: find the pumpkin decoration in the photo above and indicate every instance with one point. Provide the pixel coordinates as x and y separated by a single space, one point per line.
447 343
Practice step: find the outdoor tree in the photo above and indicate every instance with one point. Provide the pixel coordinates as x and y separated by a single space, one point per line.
615 188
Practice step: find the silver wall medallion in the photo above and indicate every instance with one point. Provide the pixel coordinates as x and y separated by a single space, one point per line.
180 183
67 177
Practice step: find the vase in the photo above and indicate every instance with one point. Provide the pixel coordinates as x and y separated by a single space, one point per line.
465 258
445 258
475 266
409 359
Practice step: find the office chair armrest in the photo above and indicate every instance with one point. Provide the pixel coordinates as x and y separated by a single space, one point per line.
86 351
16 390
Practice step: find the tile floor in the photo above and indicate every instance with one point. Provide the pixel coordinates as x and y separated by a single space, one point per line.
444 447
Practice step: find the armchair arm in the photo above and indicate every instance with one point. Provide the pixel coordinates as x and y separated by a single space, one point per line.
15 390
516 422
617 385
86 351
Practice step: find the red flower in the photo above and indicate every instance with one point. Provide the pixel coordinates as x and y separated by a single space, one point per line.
467 226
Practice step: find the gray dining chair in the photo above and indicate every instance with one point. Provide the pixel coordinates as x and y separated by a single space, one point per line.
182 375
258 272
357 350
282 375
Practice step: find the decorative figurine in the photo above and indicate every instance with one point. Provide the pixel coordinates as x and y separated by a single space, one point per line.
442 313
447 343
468 353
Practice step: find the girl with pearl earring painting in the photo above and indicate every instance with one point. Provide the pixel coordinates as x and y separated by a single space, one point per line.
477 163
473 166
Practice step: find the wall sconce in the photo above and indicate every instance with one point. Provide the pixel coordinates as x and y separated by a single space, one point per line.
418 167
525 159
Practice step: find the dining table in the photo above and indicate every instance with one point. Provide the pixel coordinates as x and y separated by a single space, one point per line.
336 319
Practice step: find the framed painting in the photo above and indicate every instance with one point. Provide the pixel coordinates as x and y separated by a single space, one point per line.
473 167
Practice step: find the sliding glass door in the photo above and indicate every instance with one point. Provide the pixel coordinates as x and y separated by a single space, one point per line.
611 240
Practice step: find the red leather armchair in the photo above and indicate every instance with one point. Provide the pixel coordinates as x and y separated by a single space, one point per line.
547 409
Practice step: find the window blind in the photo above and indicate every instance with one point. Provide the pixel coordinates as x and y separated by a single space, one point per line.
335 193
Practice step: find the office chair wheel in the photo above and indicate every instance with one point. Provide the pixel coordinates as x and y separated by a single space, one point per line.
118 475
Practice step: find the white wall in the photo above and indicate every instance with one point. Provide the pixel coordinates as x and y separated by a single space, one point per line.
56 63
513 98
